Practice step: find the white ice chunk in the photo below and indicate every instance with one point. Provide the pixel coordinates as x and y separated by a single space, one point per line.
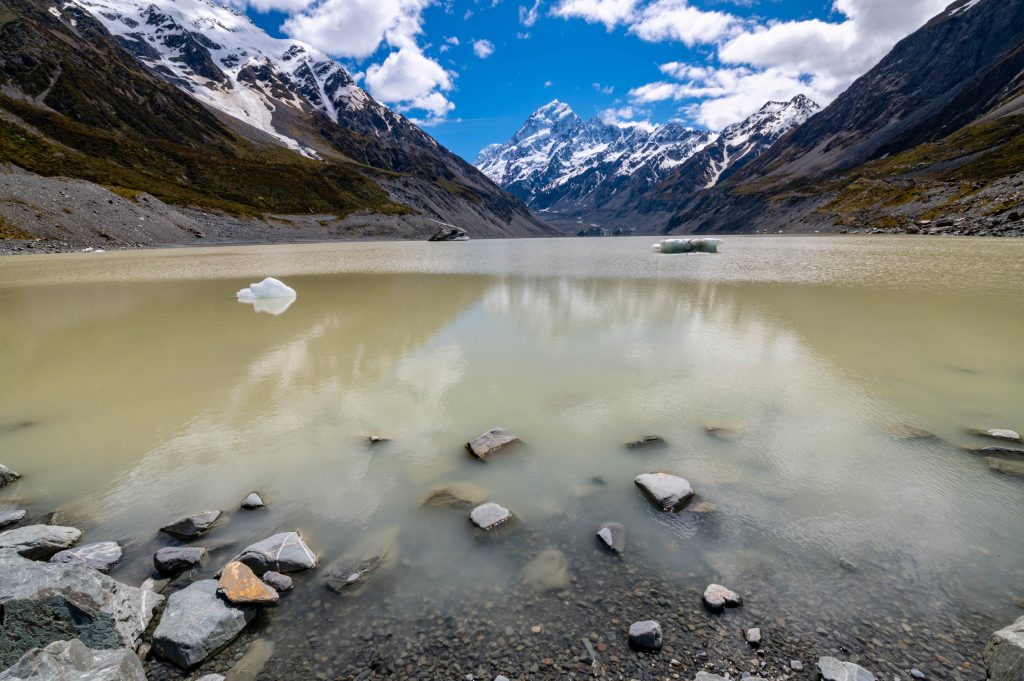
702 245
268 288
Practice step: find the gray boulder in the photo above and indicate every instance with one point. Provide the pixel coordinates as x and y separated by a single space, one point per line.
39 542
193 526
549 571
1004 654
367 559
670 493
197 624
47 602
174 559
11 516
284 552
7 476
278 582
492 440
102 556
253 501
449 233
74 661
613 536
645 636
489 516
833 670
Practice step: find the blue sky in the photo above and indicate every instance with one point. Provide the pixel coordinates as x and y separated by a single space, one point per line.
472 71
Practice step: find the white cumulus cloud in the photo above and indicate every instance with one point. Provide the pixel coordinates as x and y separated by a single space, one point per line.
607 12
409 80
483 48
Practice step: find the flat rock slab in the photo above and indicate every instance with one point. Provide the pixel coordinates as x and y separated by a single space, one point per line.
102 556
490 441
39 542
717 597
197 623
645 636
253 501
7 476
367 559
489 516
12 516
174 559
193 526
47 602
1004 654
999 434
549 571
613 536
456 495
647 442
668 492
833 670
241 586
284 552
75 661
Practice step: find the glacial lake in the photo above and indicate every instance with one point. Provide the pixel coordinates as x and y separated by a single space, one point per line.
135 390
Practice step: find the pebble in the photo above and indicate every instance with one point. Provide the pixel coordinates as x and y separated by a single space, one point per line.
645 636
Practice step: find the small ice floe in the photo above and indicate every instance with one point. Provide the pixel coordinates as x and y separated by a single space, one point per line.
702 245
271 296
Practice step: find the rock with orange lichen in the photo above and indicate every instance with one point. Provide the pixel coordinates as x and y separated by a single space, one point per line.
241 586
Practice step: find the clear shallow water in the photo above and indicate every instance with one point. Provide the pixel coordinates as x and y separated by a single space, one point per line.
153 394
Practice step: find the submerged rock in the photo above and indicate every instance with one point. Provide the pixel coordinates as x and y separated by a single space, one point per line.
252 663
11 516
367 559
549 571
456 495
645 636
174 559
196 624
252 501
998 449
833 670
724 430
46 602
239 585
39 542
717 597
668 492
102 556
907 432
1014 468
647 442
999 434
449 233
494 439
280 583
7 476
74 661
193 526
1004 654
489 516
702 506
613 536
753 636
284 552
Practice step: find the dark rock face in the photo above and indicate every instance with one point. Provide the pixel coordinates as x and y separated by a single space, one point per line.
197 623
193 526
102 556
74 661
645 636
47 602
174 559
39 542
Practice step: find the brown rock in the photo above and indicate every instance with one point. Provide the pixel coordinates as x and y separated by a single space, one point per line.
241 586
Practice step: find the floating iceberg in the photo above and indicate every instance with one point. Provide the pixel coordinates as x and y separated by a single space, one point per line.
702 245
268 288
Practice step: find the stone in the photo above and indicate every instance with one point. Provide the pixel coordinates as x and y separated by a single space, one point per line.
361 563
489 516
11 516
74 661
724 430
174 559
549 571
999 434
39 542
212 677
796 665
196 624
645 636
7 476
1014 468
647 442
1004 653
717 597
456 495
239 585
499 677
252 663
193 526
102 556
613 536
494 439
252 501
449 233
278 582
46 602
997 449
668 492
833 670
753 636
917 673
376 440
702 506
284 552
907 432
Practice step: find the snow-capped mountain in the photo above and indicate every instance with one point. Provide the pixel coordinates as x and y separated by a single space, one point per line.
559 163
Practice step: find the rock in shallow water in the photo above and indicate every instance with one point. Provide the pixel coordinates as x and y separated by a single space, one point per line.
1004 654
668 492
193 526
39 542
753 636
197 623
549 571
645 636
252 502
833 670
1006 467
102 556
456 495
14 515
449 233
238 584
284 552
364 561
174 559
999 434
489 516
47 602
717 597
7 476
494 439
647 442
278 582
74 661
613 536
